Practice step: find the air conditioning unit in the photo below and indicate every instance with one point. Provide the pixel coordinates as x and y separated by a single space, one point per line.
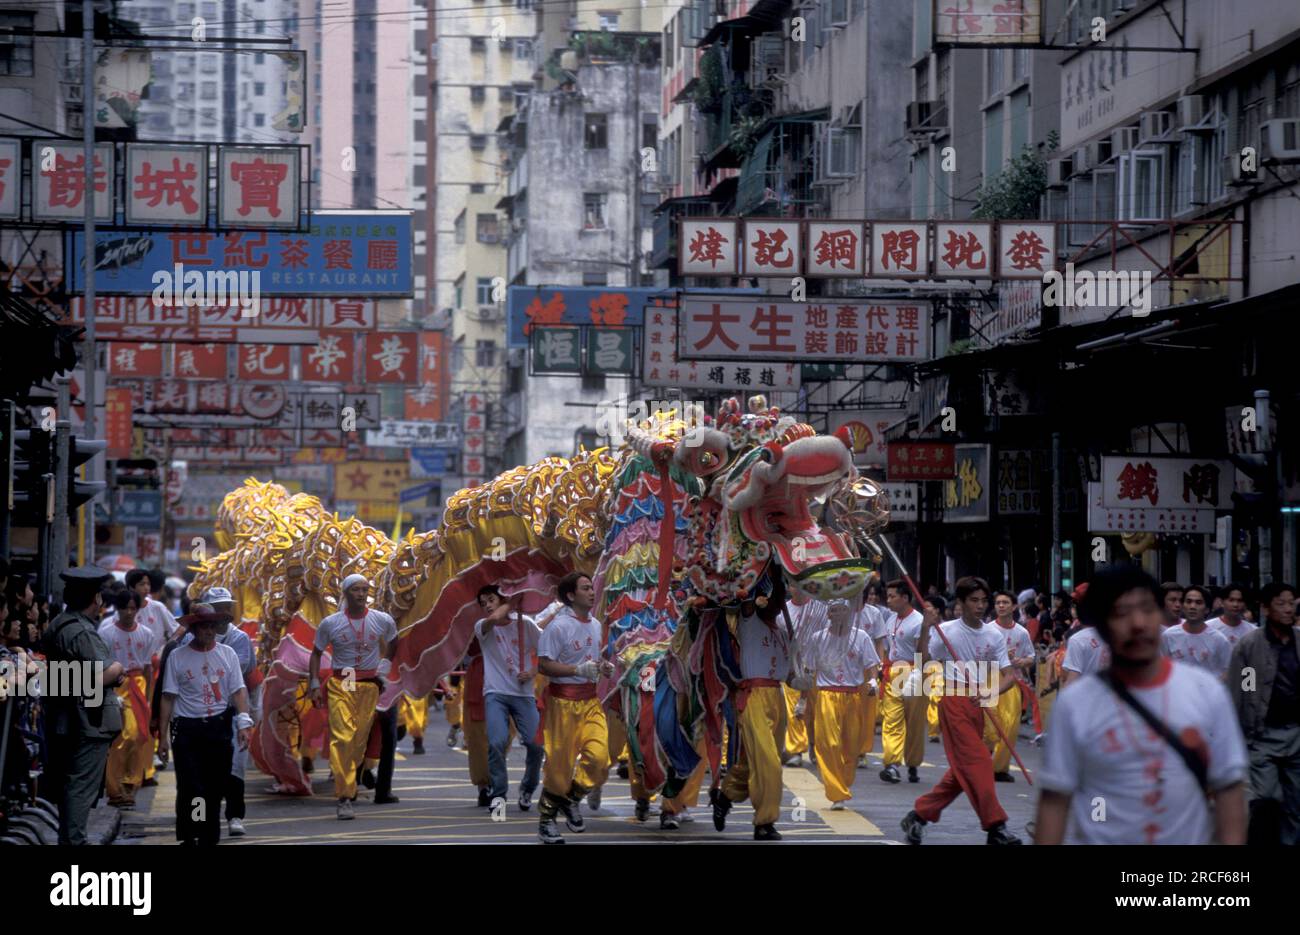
1058 171
1099 152
1279 140
1155 126
1123 140
927 117
1233 174
489 313
1191 111
1081 162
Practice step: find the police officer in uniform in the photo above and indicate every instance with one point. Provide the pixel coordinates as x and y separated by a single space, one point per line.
80 727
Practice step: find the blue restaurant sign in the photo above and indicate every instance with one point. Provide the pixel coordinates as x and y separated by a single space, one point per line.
342 254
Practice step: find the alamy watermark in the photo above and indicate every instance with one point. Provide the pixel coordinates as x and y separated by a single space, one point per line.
1105 287
614 416
41 678
964 679
178 287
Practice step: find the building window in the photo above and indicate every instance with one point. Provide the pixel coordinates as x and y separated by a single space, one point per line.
208 116
649 131
16 50
477 141
993 124
208 90
505 95
485 353
477 94
921 184
593 381
1141 194
593 211
477 44
259 120
1019 65
259 88
487 227
483 290
994 71
477 188
595 279
523 48
459 289
595 131
608 20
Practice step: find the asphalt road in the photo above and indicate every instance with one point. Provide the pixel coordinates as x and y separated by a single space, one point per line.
438 807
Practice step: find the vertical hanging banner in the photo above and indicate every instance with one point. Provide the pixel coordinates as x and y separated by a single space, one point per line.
167 184
259 186
59 181
426 401
117 422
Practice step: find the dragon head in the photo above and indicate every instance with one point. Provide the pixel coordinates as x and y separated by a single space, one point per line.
764 475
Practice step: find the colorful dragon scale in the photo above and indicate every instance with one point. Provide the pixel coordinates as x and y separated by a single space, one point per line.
678 528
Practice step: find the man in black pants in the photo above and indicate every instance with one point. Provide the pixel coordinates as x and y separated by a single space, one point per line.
204 688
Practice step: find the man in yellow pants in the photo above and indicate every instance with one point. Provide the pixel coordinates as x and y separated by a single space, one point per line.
353 637
903 731
575 731
764 665
843 658
1021 652
794 743
130 643
414 717
871 621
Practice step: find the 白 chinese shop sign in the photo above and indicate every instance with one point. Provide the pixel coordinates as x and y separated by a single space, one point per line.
920 461
769 329
917 249
1153 482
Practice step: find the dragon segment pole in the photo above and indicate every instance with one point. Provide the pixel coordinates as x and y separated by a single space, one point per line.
916 592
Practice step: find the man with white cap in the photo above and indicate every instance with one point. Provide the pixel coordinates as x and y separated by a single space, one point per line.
353 636
230 635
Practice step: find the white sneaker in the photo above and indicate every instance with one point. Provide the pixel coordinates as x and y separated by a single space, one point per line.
236 828
684 816
839 806
345 811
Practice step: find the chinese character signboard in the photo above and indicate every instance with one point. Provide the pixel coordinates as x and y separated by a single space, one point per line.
963 249
11 175
258 186
554 306
364 255
200 362
1020 474
425 401
865 429
920 461
707 247
138 508
393 433
135 360
966 496
767 329
772 248
392 357
166 184
660 365
610 351
59 181
1154 482
1102 518
117 422
556 350
836 248
903 500
282 320
984 22
900 250
1026 250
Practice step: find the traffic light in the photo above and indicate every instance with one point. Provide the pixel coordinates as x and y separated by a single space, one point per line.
81 450
1067 566
31 478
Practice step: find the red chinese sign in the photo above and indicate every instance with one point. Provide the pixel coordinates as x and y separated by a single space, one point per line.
707 247
135 360
166 183
1152 481
259 186
392 357
117 422
772 248
921 461
900 250
331 359
200 362
981 22
661 366
59 181
733 327
963 249
11 174
425 402
264 362
1026 250
836 248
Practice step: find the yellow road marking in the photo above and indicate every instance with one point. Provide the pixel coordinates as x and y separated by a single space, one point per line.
808 787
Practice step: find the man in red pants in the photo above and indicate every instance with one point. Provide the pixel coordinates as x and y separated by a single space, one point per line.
976 670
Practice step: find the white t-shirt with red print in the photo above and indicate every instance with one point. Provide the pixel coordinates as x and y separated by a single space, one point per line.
1086 652
133 648
764 650
1208 649
1230 633
501 660
1128 786
203 681
570 641
840 660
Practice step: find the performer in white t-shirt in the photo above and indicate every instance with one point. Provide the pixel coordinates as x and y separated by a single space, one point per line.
1020 650
1085 652
130 643
1230 621
904 727
508 640
1192 641
1108 778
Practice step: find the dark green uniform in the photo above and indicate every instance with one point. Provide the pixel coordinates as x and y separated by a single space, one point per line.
78 730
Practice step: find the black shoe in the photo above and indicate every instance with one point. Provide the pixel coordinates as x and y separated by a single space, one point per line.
548 832
912 824
721 805
934 740
1003 777
572 812
368 778
307 765
151 781
622 769
766 833
417 748
642 812
668 822
525 800
890 774
386 799
484 799
912 774
999 834
401 732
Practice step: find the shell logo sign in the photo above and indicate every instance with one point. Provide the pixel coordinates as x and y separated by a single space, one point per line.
858 435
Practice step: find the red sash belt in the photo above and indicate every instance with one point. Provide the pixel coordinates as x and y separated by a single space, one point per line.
570 691
748 685
361 675
845 689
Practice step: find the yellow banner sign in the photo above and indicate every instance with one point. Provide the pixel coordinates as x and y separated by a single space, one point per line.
371 480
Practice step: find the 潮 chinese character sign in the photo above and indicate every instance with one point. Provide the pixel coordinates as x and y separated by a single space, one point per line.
660 365
920 461
259 186
981 22
767 329
772 248
707 247
1152 481
11 174
836 248
59 188
966 495
167 184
